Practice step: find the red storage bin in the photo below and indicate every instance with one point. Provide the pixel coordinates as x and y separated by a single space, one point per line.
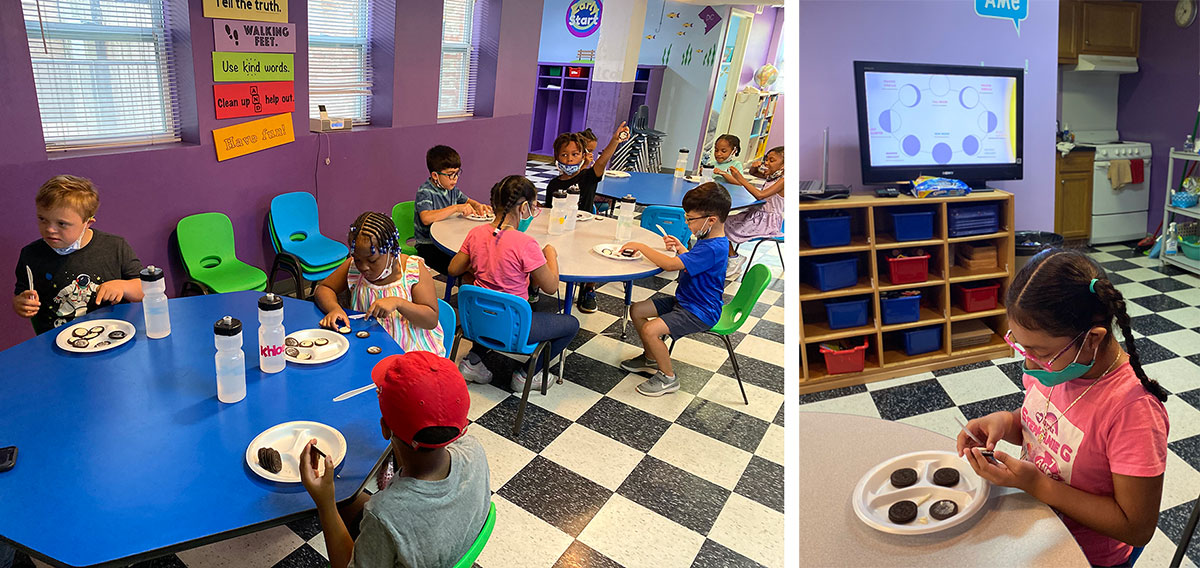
978 298
574 71
845 361
908 270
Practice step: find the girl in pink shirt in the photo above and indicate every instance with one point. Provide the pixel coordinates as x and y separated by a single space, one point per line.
503 258
1093 428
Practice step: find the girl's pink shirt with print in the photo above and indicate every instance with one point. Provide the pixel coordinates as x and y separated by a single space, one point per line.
1118 427
502 262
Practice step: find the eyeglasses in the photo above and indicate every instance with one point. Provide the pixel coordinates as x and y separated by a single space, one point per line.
533 208
453 175
1046 365
690 219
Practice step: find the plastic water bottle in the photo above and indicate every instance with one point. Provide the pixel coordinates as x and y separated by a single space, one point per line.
154 303
558 213
681 163
625 210
572 207
1171 241
231 362
270 334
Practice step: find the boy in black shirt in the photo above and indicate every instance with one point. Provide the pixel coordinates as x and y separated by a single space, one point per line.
570 149
74 268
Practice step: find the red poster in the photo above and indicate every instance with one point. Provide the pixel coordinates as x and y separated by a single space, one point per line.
235 100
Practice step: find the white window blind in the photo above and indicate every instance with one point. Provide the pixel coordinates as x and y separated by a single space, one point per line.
462 25
104 72
339 58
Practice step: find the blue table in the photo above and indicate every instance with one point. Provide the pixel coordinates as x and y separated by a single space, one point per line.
664 189
127 454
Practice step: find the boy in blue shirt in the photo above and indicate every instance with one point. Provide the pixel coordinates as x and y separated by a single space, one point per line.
437 199
697 304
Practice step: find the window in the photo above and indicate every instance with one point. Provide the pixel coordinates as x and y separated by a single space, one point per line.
339 59
104 72
462 25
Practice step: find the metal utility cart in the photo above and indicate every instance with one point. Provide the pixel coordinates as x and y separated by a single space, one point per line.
1170 212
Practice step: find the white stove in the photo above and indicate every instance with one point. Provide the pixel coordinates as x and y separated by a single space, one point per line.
1117 214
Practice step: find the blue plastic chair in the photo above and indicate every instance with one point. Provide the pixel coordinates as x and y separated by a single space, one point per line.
449 323
300 248
672 219
501 322
777 240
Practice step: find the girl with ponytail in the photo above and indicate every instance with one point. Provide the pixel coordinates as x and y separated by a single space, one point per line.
1092 428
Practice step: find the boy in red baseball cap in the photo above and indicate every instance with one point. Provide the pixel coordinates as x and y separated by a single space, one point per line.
433 510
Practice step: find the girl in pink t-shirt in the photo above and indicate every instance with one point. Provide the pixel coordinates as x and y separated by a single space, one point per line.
1093 428
503 258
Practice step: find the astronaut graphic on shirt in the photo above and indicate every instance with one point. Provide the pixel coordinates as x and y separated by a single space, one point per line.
72 300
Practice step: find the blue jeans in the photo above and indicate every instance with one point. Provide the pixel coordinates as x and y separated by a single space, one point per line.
558 329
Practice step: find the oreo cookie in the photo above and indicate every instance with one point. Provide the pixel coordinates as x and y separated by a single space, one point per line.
902 512
116 334
363 334
291 342
291 352
374 350
946 477
944 509
904 477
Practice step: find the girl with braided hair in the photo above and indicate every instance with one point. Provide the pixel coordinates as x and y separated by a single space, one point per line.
394 288
503 258
1092 428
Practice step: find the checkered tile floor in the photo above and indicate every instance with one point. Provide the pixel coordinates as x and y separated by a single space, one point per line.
1164 305
603 476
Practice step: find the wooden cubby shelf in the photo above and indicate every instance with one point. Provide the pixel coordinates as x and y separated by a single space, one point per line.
871 243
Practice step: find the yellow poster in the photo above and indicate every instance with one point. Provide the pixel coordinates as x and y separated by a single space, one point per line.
261 10
248 137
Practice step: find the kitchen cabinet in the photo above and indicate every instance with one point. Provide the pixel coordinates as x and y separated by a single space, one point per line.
1098 27
1073 195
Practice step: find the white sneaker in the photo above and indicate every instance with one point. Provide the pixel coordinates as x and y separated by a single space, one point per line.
735 266
475 372
518 381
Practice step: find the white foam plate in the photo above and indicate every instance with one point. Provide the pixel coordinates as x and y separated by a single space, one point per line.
613 251
616 174
338 346
875 493
289 440
696 179
110 325
475 217
585 216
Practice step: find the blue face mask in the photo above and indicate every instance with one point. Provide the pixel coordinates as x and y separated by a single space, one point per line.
569 169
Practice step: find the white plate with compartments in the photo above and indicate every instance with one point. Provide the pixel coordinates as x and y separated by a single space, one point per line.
616 174
289 440
97 335
476 217
613 251
874 494
335 346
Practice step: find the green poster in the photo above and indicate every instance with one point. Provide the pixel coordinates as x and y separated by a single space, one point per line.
228 66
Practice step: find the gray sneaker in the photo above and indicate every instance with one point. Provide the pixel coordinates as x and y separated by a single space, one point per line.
659 385
640 364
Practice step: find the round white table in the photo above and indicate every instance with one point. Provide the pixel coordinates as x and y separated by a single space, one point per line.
577 262
1013 529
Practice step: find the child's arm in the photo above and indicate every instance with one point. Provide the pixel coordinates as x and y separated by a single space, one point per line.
602 160
546 275
115 291
459 264
326 295
663 261
431 216
338 543
759 194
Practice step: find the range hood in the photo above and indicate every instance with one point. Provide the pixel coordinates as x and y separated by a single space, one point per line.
1107 64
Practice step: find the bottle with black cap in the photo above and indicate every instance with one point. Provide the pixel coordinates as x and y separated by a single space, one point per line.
270 334
231 362
154 303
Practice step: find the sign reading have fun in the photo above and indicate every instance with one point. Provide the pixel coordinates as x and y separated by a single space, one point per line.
248 137
260 37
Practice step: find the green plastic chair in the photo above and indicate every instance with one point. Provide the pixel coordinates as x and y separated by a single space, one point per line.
469 558
206 246
403 215
737 311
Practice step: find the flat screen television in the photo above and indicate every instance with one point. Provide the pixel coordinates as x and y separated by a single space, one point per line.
952 121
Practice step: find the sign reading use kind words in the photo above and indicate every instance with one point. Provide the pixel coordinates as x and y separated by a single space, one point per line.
230 67
264 10
249 137
261 37
248 99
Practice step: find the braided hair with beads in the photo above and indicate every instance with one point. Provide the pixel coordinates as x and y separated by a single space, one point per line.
1064 293
380 230
508 194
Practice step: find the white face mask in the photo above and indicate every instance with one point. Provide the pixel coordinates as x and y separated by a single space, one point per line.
71 247
386 271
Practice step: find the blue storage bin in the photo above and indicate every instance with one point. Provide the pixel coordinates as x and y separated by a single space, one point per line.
923 340
828 231
977 219
912 224
905 309
846 313
833 274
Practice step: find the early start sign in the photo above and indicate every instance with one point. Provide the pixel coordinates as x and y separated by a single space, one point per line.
248 137
248 99
259 37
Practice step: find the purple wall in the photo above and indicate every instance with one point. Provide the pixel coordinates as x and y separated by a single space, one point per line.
1157 103
144 192
763 37
833 34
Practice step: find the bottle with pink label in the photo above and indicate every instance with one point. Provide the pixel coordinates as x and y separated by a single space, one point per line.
270 334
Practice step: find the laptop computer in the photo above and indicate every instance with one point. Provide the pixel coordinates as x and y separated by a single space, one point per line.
818 186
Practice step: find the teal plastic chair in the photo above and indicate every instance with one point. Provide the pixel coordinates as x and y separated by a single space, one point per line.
404 216
300 248
301 273
207 249
449 323
472 555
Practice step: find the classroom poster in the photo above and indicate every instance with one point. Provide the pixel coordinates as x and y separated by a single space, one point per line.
243 67
253 136
258 37
263 10
248 99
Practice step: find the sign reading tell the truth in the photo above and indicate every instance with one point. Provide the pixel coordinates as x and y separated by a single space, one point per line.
248 137
248 99
260 37
265 10
230 67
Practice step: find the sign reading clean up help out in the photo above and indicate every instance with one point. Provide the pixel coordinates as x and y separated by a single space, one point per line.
248 137
264 10
248 99
260 37
229 67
